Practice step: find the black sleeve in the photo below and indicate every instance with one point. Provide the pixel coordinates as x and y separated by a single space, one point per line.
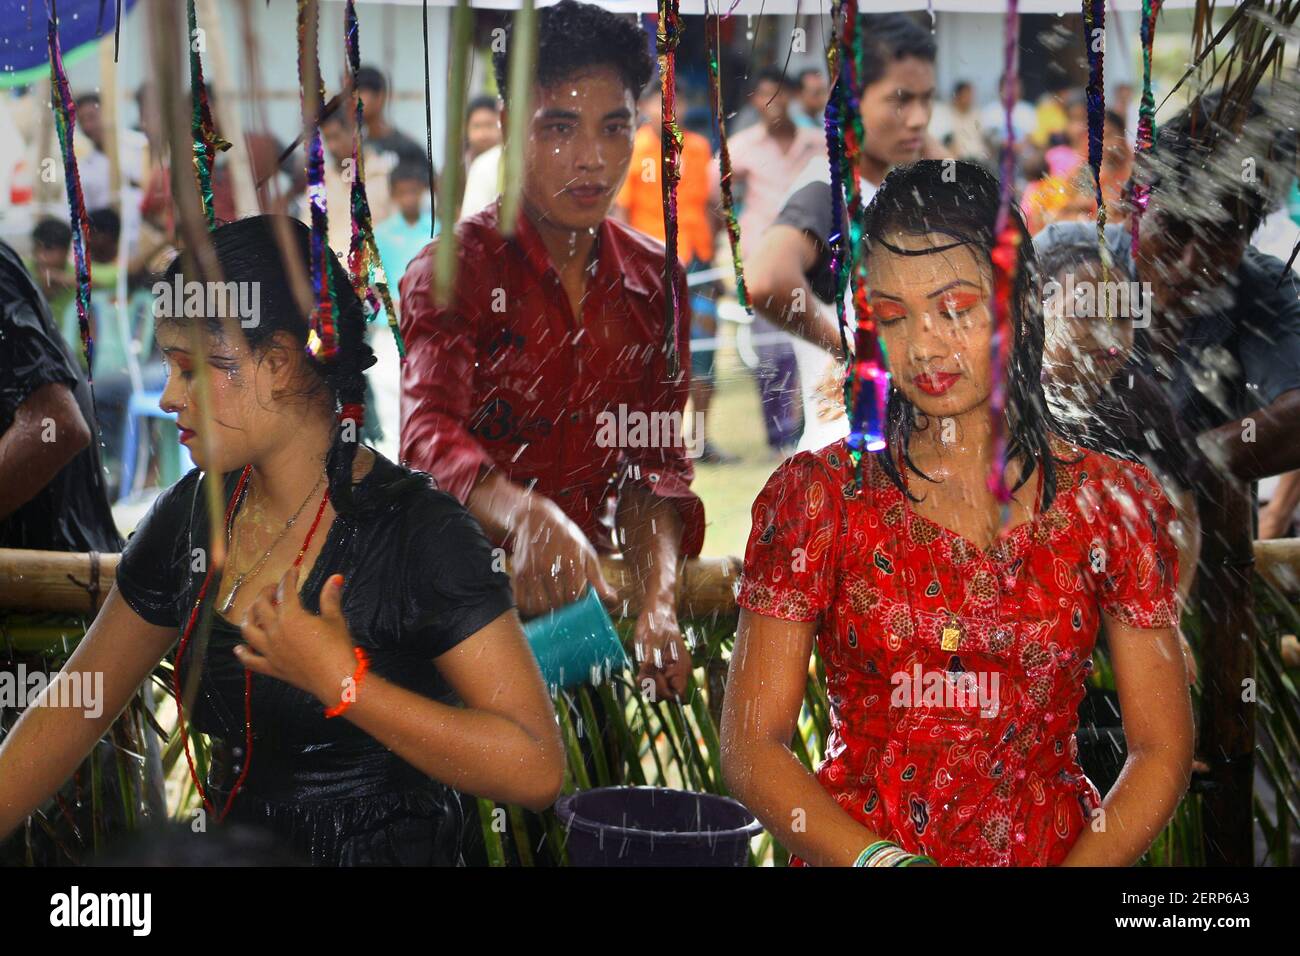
31 353
809 210
1270 334
455 583
152 573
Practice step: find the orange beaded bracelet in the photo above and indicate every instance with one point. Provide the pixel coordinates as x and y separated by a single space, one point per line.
363 665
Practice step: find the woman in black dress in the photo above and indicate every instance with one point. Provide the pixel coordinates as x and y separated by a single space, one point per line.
452 699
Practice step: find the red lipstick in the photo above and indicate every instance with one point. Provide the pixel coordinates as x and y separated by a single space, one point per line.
936 383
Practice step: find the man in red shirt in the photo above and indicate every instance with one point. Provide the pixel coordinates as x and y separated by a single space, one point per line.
539 394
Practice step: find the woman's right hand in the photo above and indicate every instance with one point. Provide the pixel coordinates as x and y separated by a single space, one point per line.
552 560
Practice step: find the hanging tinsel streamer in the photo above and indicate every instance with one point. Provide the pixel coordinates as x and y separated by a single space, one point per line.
667 35
203 131
835 156
724 154
364 263
1141 193
322 339
1094 41
866 386
1005 250
65 121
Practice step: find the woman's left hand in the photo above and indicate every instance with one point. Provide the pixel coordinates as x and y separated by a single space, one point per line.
313 652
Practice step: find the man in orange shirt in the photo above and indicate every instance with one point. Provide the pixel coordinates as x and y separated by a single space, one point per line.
640 204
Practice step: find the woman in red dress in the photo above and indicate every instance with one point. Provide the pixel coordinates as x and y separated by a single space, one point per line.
956 640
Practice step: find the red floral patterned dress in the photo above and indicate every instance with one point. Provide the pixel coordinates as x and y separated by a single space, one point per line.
954 675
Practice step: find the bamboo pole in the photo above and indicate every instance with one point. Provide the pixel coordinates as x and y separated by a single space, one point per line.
73 582
1227 727
62 581
47 580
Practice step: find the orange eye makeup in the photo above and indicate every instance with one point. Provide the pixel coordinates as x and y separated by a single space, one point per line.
960 301
888 309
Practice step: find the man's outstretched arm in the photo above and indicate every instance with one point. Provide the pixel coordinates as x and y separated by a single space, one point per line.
48 431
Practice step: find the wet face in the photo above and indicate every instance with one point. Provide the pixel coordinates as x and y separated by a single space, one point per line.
482 130
935 318
1084 345
772 101
896 111
579 147
1186 262
255 396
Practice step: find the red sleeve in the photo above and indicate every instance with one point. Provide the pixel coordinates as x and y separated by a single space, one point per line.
666 469
791 558
1140 570
438 379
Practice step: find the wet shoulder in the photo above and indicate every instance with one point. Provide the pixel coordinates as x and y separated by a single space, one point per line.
1088 479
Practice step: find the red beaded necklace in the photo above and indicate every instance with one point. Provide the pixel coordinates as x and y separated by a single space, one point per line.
248 675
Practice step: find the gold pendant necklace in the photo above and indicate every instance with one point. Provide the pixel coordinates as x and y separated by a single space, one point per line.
952 634
253 571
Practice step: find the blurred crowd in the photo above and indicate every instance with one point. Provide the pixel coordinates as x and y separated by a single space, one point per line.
776 141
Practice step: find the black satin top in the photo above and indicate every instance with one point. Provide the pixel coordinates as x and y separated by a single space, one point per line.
419 579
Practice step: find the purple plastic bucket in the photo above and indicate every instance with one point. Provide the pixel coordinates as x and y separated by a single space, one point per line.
655 826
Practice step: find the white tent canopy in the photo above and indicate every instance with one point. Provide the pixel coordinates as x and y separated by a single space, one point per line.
755 7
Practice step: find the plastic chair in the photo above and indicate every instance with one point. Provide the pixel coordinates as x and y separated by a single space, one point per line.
145 405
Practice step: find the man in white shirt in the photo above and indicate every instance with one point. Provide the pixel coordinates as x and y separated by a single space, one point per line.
789 275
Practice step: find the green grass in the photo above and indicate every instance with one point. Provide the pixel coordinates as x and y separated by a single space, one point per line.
735 425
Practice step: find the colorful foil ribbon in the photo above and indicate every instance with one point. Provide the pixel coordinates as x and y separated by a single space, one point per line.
1141 193
866 385
724 156
65 121
322 337
204 133
667 34
1005 251
1094 41
364 262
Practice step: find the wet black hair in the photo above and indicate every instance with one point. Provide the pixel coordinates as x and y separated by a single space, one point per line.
1197 162
249 251
932 198
572 36
888 38
52 234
